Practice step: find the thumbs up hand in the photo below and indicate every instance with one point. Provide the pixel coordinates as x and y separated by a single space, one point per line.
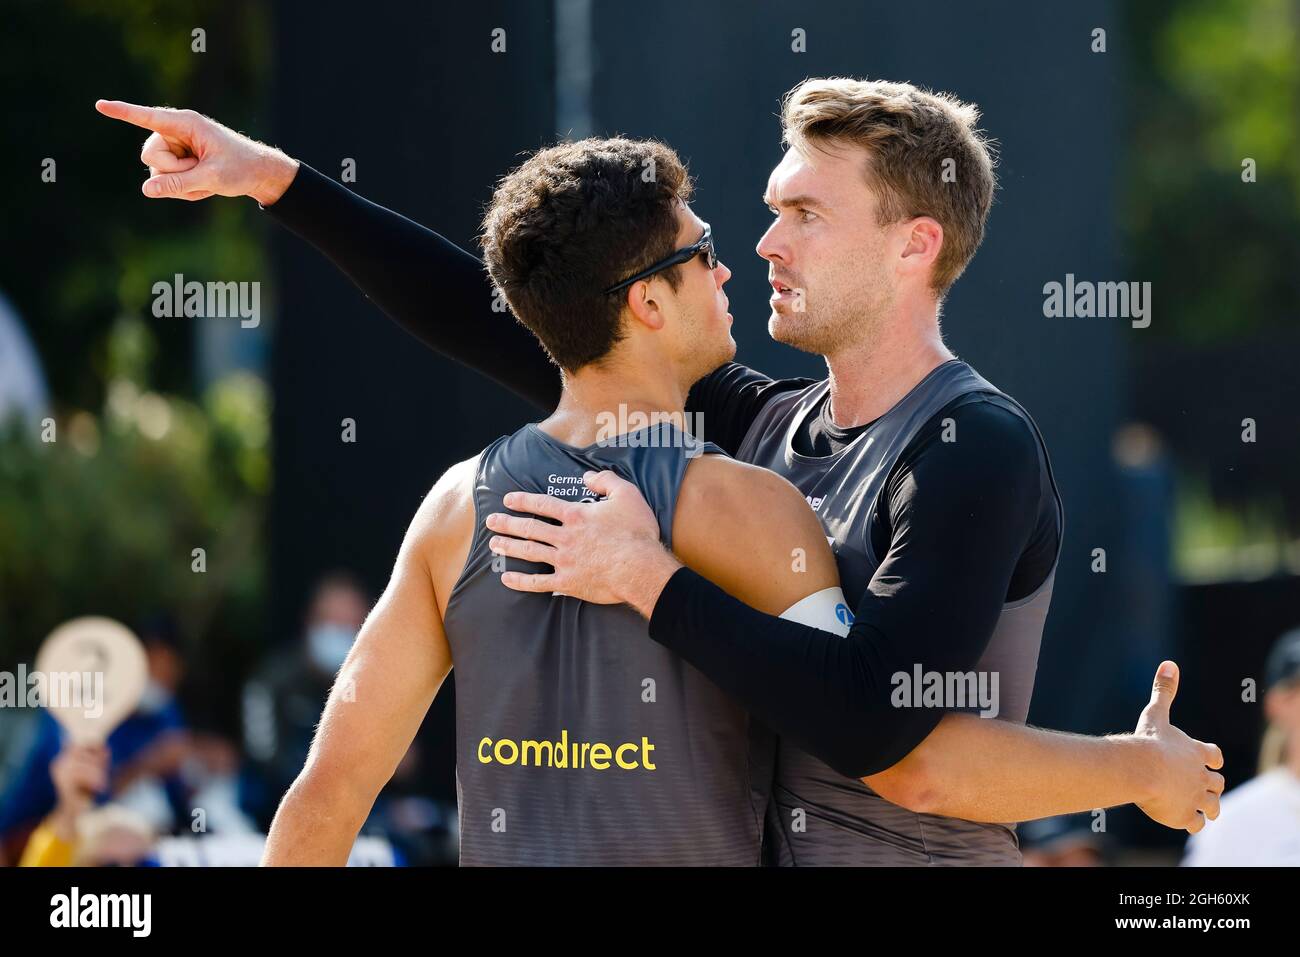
1184 786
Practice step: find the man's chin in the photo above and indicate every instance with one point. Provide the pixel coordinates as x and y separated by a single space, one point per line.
723 356
781 328
729 352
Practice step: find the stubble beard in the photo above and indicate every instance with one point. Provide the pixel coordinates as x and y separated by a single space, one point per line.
840 323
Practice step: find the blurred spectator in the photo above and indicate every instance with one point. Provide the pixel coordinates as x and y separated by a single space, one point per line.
422 831
283 702
282 706
114 836
211 772
78 773
1259 822
78 834
1144 632
143 754
22 384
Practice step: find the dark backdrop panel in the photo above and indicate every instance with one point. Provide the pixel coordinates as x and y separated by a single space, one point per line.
1229 629
707 78
1226 631
432 117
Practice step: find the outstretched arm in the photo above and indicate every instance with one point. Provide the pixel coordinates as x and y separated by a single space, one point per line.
432 288
429 286
995 771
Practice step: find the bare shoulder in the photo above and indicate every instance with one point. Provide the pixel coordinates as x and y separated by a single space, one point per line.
749 530
719 484
454 490
443 527
446 502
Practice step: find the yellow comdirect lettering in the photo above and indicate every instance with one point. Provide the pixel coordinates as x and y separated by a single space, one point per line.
564 753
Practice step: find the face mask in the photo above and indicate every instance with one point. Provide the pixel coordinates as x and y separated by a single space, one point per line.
329 645
154 698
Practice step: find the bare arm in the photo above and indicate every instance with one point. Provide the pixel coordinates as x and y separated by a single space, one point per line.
751 533
995 771
375 708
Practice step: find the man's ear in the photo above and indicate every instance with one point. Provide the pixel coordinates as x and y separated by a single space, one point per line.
924 242
644 306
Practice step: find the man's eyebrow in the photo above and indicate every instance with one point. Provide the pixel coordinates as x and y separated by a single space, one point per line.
807 202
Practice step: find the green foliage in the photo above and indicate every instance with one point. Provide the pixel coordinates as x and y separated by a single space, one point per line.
104 519
1215 82
1212 84
1217 542
87 248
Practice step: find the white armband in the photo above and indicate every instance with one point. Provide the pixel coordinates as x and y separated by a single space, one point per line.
826 610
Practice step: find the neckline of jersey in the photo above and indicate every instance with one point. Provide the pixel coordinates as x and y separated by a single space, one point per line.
793 455
586 450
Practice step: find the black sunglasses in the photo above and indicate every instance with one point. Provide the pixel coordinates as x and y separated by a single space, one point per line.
683 255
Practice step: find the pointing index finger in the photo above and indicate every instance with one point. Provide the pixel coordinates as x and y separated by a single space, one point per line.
160 119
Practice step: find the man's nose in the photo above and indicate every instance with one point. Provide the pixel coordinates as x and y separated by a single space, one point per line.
771 246
721 274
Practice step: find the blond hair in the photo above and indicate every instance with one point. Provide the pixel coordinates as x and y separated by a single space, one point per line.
927 158
1272 750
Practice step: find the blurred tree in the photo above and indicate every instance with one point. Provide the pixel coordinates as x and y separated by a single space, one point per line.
85 249
1211 213
1214 83
106 518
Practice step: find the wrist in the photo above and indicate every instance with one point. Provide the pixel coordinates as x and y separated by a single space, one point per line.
648 581
1139 765
276 171
63 822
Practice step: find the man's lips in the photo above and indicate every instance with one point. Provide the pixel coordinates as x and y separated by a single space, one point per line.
781 290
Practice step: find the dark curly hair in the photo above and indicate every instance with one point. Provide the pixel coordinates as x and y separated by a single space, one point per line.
572 221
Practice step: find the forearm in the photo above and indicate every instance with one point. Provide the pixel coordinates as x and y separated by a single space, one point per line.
982 769
828 694
276 171
434 290
429 286
643 581
958 529
315 826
